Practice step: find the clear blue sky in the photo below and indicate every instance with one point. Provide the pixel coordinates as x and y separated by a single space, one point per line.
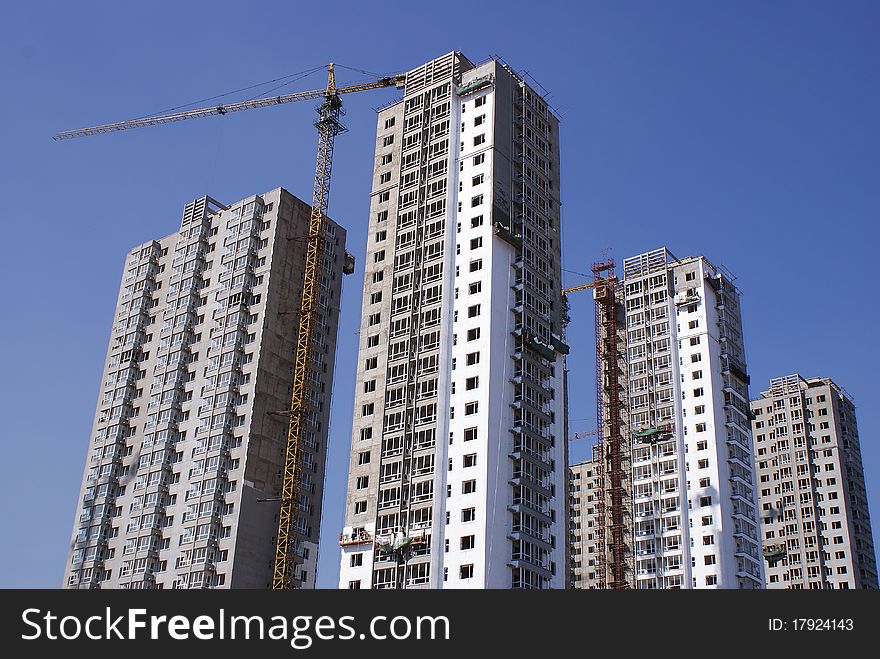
745 131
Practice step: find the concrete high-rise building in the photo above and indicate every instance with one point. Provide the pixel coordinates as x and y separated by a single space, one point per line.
814 508
458 456
186 448
693 501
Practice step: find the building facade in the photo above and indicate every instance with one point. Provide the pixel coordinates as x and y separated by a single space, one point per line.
457 472
187 443
584 490
814 508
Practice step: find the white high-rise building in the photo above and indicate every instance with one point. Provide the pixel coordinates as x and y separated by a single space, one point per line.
458 456
183 472
694 500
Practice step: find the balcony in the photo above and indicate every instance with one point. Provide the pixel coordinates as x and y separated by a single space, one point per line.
530 564
543 486
541 539
524 507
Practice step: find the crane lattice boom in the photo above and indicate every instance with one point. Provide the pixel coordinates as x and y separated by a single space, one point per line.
268 101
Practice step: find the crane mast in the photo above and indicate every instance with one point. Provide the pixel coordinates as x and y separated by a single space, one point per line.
329 126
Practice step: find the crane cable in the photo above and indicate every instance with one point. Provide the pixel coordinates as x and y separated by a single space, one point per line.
295 77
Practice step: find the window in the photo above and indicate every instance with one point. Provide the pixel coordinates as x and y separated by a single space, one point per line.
479 139
695 340
479 102
385 177
698 392
704 482
357 560
702 445
711 580
384 196
708 540
364 457
474 311
476 221
693 324
696 375
703 464
701 427
371 363
479 159
466 571
354 585
472 358
363 482
469 487
388 140
468 514
476 243
360 507
373 341
471 408
696 357
369 386
470 460
700 409
705 501
476 201
468 542
386 159
476 264
476 180
470 434
389 123
473 334
472 383
475 287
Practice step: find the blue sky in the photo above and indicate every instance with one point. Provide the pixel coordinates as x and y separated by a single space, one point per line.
745 131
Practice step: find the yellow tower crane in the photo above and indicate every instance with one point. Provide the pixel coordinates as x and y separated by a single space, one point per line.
329 126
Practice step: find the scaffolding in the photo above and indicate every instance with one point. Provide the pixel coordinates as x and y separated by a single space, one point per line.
614 547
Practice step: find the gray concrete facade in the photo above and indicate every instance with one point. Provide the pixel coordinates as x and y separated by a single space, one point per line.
189 430
584 521
814 509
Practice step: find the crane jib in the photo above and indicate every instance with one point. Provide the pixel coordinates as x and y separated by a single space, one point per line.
160 119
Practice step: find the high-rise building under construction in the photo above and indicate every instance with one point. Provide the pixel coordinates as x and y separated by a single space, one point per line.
811 487
457 473
183 472
688 517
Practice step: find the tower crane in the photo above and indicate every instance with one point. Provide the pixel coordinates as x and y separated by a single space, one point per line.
329 126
